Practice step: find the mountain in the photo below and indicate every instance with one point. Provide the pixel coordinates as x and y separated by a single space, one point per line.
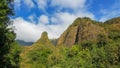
113 27
81 30
23 43
113 21
44 41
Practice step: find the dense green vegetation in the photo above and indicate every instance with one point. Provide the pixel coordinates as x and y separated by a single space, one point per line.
9 50
85 55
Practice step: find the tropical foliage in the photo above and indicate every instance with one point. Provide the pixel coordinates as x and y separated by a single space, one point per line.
9 50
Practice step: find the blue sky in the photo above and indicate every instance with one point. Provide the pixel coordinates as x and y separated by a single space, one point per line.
54 16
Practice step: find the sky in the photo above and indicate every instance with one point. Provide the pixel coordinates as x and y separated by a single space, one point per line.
32 17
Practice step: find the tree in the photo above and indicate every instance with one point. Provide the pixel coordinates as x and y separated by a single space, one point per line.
38 57
7 35
102 40
13 58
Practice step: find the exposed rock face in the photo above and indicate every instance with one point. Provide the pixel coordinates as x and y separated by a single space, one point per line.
81 29
68 37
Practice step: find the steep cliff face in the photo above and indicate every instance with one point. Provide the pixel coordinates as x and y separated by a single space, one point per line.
68 37
81 29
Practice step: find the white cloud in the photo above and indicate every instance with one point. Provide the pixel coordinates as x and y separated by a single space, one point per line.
72 4
85 13
25 30
29 3
64 19
44 19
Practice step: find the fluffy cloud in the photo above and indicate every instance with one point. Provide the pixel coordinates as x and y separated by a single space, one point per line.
25 30
44 19
72 4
